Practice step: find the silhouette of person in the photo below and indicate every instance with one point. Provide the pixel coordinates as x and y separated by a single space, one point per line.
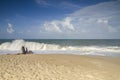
26 51
23 50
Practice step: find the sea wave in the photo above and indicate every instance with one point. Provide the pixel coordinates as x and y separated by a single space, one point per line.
16 45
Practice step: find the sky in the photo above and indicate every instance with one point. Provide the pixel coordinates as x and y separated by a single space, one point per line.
59 19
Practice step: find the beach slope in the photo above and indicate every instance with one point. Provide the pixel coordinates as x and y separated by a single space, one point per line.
58 67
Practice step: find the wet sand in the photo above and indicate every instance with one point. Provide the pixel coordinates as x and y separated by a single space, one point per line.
58 67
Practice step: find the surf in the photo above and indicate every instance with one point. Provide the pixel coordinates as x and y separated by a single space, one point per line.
38 47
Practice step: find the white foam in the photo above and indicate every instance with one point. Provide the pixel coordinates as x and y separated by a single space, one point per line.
15 46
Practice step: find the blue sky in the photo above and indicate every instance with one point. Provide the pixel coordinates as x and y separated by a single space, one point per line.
60 19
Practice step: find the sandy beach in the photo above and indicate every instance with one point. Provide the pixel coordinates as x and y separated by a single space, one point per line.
58 67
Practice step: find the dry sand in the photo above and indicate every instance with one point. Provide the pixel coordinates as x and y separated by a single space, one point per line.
58 67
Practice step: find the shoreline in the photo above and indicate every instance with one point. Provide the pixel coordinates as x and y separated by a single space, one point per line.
59 67
110 56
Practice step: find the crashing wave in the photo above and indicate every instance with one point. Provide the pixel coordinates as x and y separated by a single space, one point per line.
16 45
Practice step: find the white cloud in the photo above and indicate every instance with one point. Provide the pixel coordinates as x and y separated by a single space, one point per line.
111 29
52 26
10 29
59 26
42 2
98 17
102 18
105 9
67 23
58 4
102 21
68 5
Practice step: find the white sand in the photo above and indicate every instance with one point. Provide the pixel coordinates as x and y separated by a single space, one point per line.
58 67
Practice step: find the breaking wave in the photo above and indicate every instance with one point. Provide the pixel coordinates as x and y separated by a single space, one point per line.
36 47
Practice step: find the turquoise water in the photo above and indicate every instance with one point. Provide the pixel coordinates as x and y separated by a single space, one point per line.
103 47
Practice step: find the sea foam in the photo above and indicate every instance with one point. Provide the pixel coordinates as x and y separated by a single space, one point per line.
36 47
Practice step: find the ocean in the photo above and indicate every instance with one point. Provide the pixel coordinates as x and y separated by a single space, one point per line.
100 47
